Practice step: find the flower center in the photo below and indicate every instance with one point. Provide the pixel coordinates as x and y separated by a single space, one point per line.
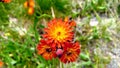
69 53
58 33
48 49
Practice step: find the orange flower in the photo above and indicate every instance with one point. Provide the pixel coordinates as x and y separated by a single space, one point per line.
26 4
58 32
30 10
46 50
1 64
31 3
71 52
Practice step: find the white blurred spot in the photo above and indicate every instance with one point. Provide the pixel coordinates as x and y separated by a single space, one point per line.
21 31
93 22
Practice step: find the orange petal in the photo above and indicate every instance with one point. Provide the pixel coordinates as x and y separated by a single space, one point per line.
30 11
26 4
31 3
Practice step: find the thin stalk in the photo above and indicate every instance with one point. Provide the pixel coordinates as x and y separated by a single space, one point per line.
52 11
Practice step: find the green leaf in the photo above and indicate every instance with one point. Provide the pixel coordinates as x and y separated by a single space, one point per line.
41 65
84 57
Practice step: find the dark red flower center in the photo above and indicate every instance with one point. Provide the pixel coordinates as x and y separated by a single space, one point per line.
69 53
48 49
58 33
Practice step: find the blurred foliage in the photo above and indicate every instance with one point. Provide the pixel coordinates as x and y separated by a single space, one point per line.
4 13
89 7
58 6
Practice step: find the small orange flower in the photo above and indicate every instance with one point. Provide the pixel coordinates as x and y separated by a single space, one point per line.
30 10
1 64
31 3
46 50
26 4
58 32
71 52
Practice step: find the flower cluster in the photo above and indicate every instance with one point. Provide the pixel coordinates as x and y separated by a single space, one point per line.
30 5
58 42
